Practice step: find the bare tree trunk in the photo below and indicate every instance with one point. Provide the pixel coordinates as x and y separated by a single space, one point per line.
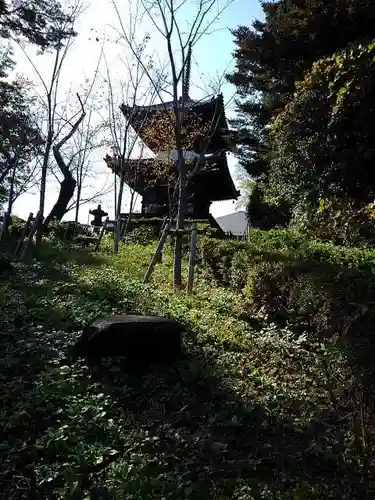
100 237
43 182
68 184
158 252
66 193
118 221
79 190
25 230
8 214
180 222
115 190
192 257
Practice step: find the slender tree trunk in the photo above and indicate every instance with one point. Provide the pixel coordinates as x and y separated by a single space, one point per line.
118 211
177 280
69 183
43 182
8 214
115 210
79 190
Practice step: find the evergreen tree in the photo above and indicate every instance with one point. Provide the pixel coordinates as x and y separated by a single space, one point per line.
272 55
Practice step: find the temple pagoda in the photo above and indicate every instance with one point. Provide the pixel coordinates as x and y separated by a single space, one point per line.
147 176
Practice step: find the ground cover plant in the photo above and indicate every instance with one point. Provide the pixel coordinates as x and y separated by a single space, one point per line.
254 410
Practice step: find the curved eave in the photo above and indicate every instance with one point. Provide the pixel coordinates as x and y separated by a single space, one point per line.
214 173
138 115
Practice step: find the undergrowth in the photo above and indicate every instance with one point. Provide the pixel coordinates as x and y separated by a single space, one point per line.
254 410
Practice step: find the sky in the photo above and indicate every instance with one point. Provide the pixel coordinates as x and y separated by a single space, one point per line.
98 33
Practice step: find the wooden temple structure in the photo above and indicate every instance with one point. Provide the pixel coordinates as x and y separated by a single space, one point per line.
211 181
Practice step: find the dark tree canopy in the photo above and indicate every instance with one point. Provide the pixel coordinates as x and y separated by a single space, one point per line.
324 138
41 22
275 53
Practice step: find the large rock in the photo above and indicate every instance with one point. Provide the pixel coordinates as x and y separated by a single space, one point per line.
138 338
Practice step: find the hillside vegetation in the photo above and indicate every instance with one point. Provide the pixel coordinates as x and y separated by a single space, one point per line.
269 402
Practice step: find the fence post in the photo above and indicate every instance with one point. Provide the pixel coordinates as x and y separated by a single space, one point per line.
156 257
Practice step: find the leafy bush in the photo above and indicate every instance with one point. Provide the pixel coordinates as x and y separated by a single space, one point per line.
68 230
323 138
343 223
326 299
142 235
218 255
16 226
319 285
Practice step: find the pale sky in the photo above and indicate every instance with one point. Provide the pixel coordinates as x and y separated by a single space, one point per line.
211 57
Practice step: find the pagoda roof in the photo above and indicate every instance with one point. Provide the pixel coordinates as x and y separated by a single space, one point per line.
214 173
211 108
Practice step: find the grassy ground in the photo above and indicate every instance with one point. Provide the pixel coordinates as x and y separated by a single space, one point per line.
255 411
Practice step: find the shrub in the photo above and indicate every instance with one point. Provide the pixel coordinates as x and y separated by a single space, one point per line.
16 226
141 235
239 269
323 287
343 223
68 230
218 256
325 298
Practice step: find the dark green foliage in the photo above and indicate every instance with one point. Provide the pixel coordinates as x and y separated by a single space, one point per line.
16 226
44 24
327 288
20 140
265 215
343 223
307 70
274 54
251 412
324 138
328 299
142 235
218 255
38 21
68 231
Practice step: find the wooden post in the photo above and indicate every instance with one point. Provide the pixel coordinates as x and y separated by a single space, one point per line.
35 229
25 230
101 234
192 257
158 252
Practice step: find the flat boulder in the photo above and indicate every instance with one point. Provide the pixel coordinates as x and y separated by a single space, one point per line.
135 337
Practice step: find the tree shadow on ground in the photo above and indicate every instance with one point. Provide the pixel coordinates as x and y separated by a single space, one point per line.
189 430
43 311
196 430
216 444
